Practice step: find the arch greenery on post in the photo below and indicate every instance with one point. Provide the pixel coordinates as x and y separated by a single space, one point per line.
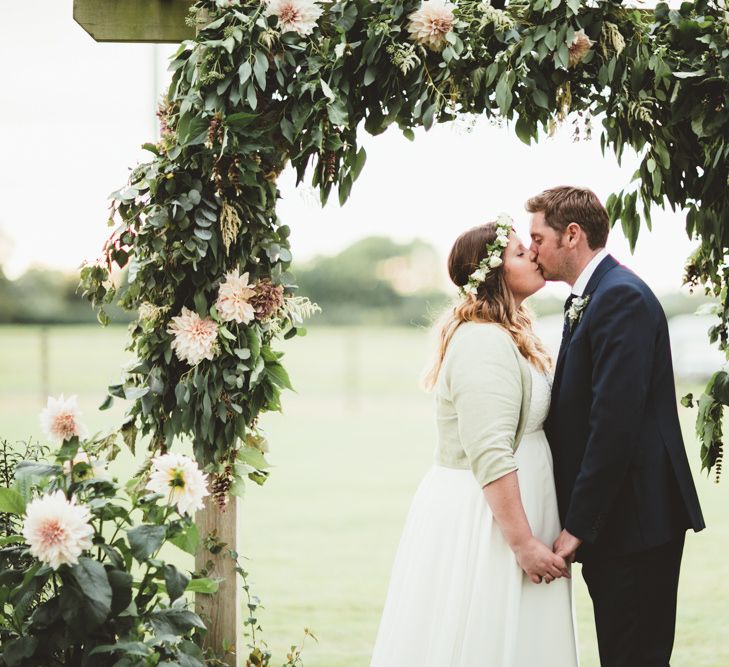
291 81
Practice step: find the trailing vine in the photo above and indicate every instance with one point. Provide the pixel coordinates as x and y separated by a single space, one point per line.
266 84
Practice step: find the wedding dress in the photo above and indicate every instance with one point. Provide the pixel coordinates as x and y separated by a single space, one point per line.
457 596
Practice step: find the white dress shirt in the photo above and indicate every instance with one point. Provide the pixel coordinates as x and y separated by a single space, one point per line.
579 287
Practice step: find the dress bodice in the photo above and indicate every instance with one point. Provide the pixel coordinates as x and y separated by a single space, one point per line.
541 396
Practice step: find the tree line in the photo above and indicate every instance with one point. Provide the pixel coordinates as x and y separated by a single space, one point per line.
376 281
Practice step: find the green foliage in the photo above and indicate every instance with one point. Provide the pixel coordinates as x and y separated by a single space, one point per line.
709 421
246 99
105 609
120 603
260 656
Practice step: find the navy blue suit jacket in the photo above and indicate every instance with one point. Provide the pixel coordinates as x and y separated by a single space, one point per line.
621 472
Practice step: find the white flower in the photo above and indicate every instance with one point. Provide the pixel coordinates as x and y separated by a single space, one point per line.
297 15
479 274
502 240
574 312
498 17
495 261
59 419
150 313
430 24
194 337
299 308
180 481
233 299
581 44
57 530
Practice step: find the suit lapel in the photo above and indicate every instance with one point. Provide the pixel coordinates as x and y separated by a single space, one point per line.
566 337
560 359
602 268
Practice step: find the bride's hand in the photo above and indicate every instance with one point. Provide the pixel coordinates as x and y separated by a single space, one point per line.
539 562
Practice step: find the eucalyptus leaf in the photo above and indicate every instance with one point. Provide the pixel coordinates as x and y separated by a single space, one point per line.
128 648
278 375
11 501
191 130
91 578
17 650
253 457
145 540
175 621
175 581
188 540
203 585
503 92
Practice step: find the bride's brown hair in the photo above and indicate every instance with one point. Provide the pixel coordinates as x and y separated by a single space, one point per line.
494 302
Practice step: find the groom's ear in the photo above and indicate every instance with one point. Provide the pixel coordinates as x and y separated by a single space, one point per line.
573 233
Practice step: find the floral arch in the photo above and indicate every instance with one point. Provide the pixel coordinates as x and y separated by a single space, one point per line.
265 84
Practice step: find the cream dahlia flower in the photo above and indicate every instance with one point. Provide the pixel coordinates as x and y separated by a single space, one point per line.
180 481
297 15
57 530
194 337
59 419
234 299
430 24
581 44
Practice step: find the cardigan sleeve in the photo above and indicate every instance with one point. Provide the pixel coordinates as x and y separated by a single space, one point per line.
485 386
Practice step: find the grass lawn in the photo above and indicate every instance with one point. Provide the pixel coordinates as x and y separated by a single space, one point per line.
349 452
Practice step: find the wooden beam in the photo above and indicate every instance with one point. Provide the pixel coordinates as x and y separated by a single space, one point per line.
221 612
161 21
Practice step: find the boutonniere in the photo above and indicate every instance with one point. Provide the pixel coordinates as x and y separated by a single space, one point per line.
577 307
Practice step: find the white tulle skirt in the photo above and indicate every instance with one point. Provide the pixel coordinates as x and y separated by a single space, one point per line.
457 597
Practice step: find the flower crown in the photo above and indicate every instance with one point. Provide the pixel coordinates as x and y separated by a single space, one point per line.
493 258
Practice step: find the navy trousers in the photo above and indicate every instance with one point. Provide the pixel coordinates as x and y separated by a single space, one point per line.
634 598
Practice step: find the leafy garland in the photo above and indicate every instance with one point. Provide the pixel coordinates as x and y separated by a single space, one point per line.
247 98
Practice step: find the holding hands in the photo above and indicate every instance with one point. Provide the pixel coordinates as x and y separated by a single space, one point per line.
539 562
566 546
534 557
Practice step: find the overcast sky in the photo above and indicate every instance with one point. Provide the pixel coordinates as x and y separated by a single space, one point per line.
75 113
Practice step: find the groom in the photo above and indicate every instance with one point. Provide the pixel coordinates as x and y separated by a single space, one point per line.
625 492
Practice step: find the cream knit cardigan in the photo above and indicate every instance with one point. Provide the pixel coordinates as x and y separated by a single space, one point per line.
482 395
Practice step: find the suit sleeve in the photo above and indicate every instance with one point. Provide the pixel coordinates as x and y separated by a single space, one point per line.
622 336
485 387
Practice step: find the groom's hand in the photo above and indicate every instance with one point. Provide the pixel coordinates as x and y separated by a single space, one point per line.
566 546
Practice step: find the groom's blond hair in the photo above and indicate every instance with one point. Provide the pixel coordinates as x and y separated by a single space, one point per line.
565 204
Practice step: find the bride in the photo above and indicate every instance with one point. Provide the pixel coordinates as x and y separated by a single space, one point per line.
468 583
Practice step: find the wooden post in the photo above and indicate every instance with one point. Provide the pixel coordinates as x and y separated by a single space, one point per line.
221 612
161 21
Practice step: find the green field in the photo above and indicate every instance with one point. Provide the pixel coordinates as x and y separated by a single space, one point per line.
349 452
